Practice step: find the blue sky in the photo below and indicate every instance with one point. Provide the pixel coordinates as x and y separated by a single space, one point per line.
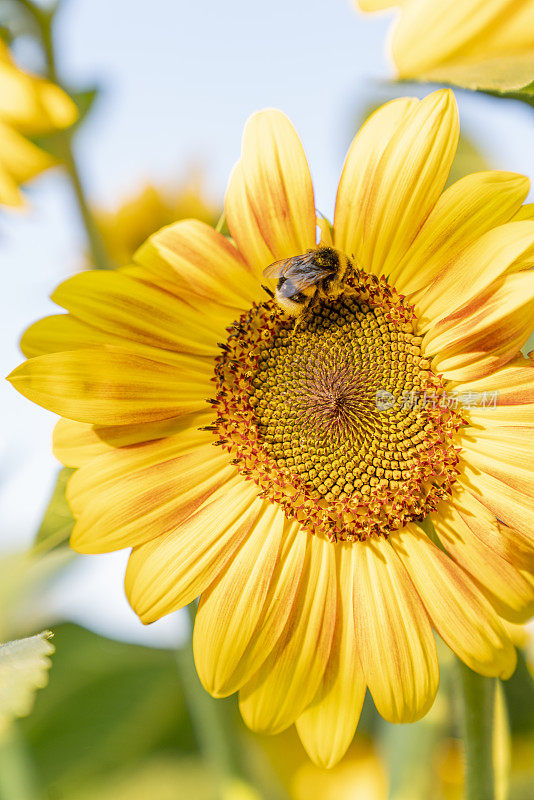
179 78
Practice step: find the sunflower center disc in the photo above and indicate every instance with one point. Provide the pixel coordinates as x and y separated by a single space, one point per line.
338 417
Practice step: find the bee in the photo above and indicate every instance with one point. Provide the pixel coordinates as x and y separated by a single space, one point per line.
300 278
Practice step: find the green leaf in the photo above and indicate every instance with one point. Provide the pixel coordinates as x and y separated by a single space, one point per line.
55 143
24 666
58 521
108 704
85 100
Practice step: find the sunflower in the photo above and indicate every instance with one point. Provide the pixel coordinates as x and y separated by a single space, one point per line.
125 228
29 106
316 481
473 43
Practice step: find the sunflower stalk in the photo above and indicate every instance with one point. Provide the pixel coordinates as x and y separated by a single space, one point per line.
213 727
478 695
63 140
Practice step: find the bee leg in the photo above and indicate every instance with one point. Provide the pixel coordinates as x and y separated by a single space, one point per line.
266 289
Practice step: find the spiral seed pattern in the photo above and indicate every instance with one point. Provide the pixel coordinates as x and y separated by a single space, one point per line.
330 415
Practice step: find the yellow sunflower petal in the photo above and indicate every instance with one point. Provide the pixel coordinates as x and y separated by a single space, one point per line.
460 614
509 504
231 611
124 462
60 331
405 150
508 543
511 385
508 248
327 726
193 255
464 212
498 580
265 623
113 387
170 571
289 679
117 304
77 443
397 648
125 501
278 186
504 455
497 416
486 333
243 224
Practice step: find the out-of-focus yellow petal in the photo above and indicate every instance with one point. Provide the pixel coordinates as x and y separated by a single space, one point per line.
378 5
498 579
397 648
486 332
525 212
117 304
404 151
430 34
327 726
278 186
10 194
243 223
21 158
193 255
32 104
170 571
113 387
460 614
241 602
464 212
124 501
289 679
503 250
28 106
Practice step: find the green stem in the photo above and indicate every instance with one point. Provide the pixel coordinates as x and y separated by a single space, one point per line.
17 777
64 140
478 695
212 723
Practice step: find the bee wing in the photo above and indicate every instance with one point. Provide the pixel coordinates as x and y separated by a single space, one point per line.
303 271
279 268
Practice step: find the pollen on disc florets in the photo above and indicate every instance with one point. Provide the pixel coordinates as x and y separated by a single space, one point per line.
299 409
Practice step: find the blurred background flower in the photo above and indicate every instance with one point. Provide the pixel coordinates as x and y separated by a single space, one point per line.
29 106
125 228
476 44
